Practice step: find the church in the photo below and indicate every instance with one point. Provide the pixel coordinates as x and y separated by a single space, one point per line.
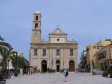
57 53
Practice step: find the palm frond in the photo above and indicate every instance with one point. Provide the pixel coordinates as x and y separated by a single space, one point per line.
5 45
1 38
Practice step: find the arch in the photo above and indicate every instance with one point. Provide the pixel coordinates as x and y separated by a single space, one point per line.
71 62
43 66
36 17
71 65
44 62
36 25
57 61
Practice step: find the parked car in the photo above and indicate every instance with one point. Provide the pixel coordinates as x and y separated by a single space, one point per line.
2 80
97 72
110 71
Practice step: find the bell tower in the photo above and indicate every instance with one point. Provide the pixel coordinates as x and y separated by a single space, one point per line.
36 30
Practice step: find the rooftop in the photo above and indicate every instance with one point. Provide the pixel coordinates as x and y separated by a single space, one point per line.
37 11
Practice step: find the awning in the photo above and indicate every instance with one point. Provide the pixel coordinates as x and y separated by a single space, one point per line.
10 67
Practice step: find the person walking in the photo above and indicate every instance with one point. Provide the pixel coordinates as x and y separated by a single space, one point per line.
65 74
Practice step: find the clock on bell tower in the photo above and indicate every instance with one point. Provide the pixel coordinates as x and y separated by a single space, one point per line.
36 30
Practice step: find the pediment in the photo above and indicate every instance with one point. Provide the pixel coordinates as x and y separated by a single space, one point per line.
58 31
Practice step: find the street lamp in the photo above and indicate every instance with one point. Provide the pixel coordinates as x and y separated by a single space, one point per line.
0 68
8 65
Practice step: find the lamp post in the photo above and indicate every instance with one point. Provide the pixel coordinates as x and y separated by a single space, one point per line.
0 63
8 65
0 69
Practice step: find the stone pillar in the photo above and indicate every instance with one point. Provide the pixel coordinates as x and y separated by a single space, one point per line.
76 58
66 58
51 56
39 60
61 60
21 72
47 56
54 59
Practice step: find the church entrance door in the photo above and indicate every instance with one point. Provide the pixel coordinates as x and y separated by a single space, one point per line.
71 66
57 65
44 66
58 68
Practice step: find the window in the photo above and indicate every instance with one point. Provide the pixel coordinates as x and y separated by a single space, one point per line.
102 55
36 25
36 17
44 52
35 52
71 52
57 39
58 52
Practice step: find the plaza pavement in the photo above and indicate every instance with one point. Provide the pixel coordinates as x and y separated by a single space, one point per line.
58 78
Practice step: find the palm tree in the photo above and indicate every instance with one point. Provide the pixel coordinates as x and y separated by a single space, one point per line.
4 44
15 60
5 52
1 38
18 62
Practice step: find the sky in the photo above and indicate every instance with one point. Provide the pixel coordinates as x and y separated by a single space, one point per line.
85 21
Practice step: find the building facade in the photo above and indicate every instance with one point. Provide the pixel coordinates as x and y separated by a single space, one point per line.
57 53
104 57
92 49
83 62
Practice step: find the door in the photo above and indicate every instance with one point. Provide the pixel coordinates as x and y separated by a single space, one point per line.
71 66
58 68
57 65
44 66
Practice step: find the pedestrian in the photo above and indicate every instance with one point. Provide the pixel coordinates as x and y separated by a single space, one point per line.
65 73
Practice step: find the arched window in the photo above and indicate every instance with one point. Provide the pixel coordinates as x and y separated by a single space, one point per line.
71 62
36 25
57 62
44 62
36 17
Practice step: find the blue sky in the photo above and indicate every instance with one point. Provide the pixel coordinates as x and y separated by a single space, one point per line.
86 21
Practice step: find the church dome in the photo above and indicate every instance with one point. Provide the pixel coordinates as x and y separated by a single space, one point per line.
37 12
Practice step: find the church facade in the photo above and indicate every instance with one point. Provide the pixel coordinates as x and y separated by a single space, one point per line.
57 53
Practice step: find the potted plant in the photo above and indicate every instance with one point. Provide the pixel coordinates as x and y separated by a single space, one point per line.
110 73
105 73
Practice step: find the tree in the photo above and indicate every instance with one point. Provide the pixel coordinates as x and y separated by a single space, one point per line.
83 62
18 62
1 38
5 52
5 55
4 44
